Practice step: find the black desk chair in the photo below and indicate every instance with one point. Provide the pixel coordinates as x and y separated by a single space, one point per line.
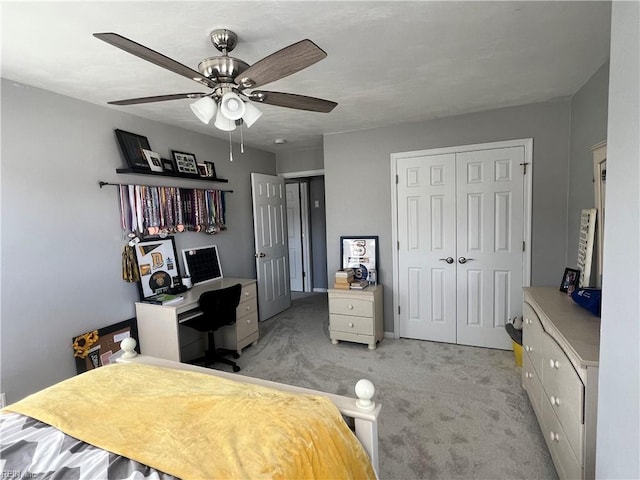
218 309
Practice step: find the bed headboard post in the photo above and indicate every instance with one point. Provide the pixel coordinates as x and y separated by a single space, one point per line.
128 345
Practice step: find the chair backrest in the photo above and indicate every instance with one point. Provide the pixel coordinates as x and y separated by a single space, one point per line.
219 306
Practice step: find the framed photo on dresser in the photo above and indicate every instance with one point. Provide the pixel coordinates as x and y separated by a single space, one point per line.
359 253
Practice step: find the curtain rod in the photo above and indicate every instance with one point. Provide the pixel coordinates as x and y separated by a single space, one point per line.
103 184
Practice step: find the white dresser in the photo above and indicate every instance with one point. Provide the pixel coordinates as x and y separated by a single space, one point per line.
356 315
560 374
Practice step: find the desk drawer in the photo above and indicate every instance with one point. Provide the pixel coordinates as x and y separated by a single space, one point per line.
248 291
347 323
246 308
247 325
351 306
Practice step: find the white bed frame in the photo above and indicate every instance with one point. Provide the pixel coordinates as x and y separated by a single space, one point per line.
363 410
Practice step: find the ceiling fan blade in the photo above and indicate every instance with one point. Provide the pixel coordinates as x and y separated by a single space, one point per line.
158 98
152 56
281 64
290 100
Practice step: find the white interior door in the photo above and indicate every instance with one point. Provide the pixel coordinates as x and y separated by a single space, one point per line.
490 186
270 233
462 221
426 193
294 229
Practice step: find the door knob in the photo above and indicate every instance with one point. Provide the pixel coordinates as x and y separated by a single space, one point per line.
261 255
449 260
465 260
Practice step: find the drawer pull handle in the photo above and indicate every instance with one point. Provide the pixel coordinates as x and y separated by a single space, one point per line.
248 321
528 375
246 294
555 401
527 348
350 307
350 324
248 308
553 364
554 437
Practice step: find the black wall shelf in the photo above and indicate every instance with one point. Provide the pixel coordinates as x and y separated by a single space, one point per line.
149 173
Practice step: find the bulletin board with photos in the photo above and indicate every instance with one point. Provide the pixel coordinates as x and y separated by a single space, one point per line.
102 346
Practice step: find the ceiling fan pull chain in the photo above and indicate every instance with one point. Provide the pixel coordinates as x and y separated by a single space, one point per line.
241 137
230 149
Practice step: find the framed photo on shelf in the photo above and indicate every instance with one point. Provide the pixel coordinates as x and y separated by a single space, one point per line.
157 265
202 170
359 253
185 162
168 165
570 280
132 147
153 159
211 169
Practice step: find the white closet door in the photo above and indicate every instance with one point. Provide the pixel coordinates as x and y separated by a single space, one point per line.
490 190
426 235
466 207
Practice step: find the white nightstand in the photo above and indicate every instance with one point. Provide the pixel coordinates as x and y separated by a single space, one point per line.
356 315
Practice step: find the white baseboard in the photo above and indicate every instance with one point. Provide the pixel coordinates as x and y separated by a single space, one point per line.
323 290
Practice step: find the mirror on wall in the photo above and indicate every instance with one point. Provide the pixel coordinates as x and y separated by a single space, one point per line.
599 181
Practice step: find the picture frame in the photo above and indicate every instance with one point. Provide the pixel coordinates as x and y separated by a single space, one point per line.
211 169
185 162
570 280
168 165
131 147
361 254
102 346
202 170
154 160
157 262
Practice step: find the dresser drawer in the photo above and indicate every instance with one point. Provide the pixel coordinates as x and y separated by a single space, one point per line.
351 324
531 383
351 306
565 392
532 337
568 466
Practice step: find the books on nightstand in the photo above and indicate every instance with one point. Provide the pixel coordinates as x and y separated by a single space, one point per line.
163 299
344 278
359 285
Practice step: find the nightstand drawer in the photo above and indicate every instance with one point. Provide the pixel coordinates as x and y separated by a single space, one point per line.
351 306
347 323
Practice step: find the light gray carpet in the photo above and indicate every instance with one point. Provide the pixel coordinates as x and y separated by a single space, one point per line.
448 411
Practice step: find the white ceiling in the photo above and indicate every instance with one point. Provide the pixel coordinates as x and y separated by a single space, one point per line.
388 62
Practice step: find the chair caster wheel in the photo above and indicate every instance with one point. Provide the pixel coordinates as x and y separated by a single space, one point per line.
236 369
235 355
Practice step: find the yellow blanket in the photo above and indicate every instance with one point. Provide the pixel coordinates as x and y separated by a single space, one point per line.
197 426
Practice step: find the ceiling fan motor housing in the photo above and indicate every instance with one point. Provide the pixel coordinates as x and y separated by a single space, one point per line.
222 68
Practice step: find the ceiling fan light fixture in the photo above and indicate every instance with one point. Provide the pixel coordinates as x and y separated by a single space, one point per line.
251 114
204 109
232 106
223 123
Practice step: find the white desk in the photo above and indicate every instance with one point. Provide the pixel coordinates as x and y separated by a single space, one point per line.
161 334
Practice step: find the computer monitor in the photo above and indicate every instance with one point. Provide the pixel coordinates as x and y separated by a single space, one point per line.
202 264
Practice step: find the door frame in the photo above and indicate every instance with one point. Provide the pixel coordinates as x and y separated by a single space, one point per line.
526 143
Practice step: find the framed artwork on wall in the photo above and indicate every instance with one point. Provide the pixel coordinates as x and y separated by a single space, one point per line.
132 147
157 265
361 254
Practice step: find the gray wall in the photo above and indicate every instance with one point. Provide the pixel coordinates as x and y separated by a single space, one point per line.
359 163
618 443
318 232
61 238
588 127
300 160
